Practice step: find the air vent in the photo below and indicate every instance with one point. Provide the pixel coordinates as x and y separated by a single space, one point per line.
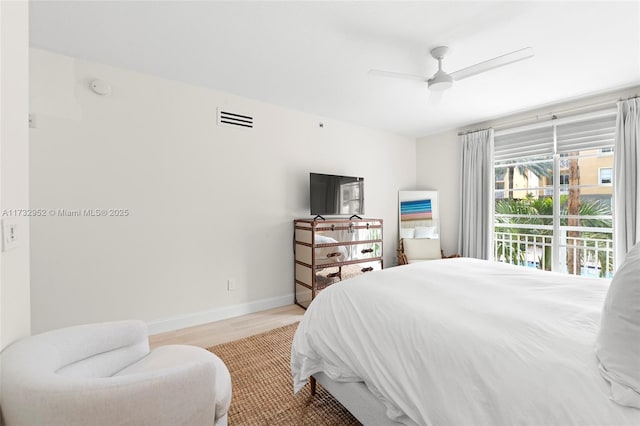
234 119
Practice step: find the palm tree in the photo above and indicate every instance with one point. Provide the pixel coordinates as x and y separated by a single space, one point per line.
596 239
515 252
574 210
539 169
528 208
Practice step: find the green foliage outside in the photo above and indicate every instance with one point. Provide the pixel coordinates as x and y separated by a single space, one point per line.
515 252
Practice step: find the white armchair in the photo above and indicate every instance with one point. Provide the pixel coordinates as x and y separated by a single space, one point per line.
411 250
105 374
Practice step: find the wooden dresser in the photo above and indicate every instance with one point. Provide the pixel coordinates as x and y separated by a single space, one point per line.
328 251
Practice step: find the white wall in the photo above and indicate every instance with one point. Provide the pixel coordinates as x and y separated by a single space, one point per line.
15 316
438 167
438 158
207 203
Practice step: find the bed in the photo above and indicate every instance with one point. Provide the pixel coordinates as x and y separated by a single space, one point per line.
460 342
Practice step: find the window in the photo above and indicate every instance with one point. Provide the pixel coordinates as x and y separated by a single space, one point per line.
500 183
604 176
561 224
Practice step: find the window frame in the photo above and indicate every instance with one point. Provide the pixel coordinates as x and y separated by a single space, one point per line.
600 180
575 134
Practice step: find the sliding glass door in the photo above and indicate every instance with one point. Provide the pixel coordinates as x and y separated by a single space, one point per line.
553 188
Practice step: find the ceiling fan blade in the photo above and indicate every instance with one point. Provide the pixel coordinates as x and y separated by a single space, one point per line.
398 75
497 62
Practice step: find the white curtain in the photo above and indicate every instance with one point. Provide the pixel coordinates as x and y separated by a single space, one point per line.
476 195
626 179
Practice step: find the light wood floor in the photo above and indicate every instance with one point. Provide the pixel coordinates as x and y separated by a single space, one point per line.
214 333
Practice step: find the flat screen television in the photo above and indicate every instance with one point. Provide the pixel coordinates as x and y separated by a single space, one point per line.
336 195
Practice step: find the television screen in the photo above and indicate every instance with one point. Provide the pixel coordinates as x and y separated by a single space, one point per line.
336 195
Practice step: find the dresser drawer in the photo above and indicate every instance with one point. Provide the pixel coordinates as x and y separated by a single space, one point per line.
328 276
356 231
344 253
332 254
350 271
365 251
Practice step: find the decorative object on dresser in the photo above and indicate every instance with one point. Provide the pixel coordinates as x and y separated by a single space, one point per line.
328 251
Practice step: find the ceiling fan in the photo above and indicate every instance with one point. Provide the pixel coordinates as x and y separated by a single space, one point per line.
442 80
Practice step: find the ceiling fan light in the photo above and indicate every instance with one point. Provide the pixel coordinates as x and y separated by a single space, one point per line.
440 81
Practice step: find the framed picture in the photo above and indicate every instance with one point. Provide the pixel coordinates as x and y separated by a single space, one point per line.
416 210
418 215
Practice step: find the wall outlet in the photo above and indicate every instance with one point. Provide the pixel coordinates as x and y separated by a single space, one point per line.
231 284
9 234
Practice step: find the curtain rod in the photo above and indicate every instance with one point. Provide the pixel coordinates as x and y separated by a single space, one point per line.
553 115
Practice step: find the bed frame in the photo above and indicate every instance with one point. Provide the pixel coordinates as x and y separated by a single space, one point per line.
356 398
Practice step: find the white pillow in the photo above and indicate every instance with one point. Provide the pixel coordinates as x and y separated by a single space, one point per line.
406 232
618 342
425 232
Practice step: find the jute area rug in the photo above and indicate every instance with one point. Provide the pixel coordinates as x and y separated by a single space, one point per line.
263 388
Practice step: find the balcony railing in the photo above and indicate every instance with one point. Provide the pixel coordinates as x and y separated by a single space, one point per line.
533 245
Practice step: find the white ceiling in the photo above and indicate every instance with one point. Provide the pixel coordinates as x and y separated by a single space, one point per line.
314 56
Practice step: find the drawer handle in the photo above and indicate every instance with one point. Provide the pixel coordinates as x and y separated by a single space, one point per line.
369 269
333 275
369 250
334 254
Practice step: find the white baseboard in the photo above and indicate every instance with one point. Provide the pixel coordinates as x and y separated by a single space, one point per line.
204 317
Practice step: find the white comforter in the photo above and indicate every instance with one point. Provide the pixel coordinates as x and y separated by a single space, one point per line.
464 342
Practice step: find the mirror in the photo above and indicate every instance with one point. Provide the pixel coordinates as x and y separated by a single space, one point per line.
418 214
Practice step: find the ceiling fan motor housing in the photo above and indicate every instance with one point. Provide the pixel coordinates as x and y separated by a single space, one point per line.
439 52
440 81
